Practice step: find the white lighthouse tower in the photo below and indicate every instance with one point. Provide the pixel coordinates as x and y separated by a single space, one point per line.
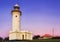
16 13
16 33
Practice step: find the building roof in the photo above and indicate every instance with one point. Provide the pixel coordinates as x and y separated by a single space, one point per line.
47 35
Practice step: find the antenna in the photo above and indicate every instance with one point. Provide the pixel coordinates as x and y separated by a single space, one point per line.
53 31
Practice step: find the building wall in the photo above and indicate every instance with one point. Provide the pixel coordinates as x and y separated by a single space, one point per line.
19 36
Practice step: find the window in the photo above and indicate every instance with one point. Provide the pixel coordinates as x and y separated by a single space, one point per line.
16 15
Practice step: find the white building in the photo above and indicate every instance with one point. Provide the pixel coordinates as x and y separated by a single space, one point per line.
16 33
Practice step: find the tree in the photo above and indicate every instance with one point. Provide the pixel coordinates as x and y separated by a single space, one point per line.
36 37
1 39
57 37
6 39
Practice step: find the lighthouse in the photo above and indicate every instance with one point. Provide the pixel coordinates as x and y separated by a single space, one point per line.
16 14
16 33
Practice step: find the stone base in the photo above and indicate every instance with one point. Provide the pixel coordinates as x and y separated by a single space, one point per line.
23 35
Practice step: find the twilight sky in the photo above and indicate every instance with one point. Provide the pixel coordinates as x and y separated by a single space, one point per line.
38 16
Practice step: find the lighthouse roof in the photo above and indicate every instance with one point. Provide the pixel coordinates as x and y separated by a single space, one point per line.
16 5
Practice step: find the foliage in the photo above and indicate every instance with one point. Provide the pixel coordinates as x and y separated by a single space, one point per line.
36 37
1 39
6 39
57 37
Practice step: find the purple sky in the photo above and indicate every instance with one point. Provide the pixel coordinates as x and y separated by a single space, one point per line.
38 16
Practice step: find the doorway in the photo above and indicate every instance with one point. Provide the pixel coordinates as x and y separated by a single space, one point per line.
22 37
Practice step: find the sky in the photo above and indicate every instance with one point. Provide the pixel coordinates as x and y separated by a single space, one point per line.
38 16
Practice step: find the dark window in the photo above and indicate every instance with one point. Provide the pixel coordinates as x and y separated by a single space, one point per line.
16 15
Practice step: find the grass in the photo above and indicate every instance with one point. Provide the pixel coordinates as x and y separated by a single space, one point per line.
46 40
42 40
